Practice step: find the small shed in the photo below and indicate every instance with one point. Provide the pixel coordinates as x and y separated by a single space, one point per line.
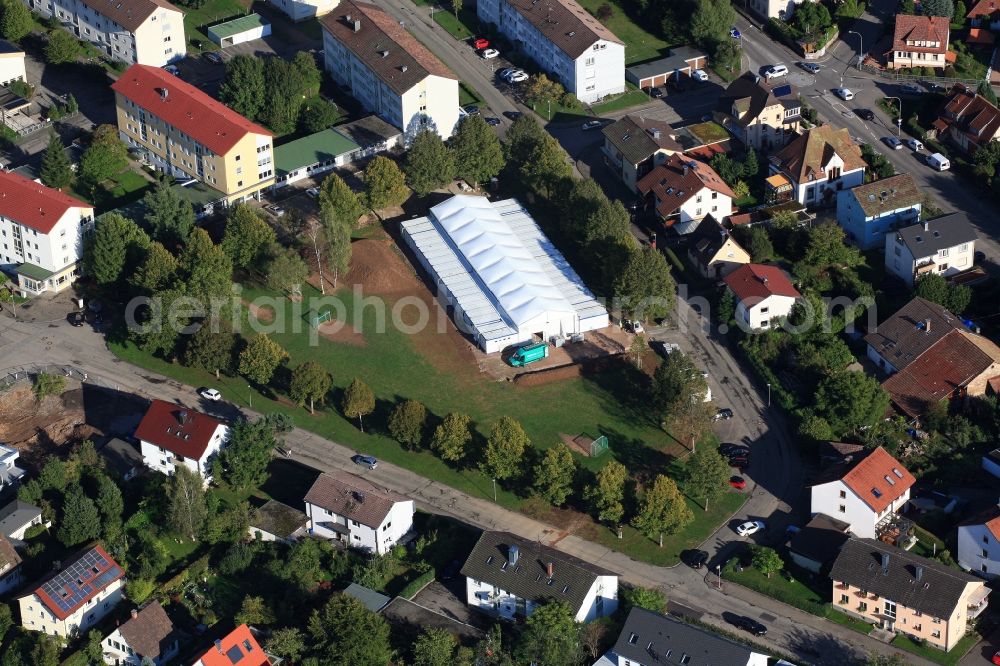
817 544
276 521
237 31
680 61
373 601
122 458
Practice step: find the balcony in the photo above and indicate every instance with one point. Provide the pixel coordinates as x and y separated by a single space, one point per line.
978 602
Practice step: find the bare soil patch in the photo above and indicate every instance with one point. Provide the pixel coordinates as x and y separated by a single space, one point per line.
265 315
343 332
378 267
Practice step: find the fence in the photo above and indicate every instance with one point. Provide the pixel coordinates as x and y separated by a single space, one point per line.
12 376
893 75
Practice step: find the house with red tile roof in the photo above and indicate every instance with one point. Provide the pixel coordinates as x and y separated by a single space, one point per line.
764 295
684 191
968 120
171 435
237 648
42 234
979 544
75 598
864 492
815 166
985 13
919 41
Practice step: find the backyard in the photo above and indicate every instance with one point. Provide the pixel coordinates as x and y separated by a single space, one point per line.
197 16
639 43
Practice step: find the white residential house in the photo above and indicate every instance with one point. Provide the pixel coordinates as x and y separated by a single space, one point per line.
74 599
388 71
171 435
508 576
17 517
11 575
355 511
147 32
919 41
865 493
41 234
11 63
979 544
684 191
776 9
565 41
764 295
944 246
302 10
148 634
10 473
816 165
868 212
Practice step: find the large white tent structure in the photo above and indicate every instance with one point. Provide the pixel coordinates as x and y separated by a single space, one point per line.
498 275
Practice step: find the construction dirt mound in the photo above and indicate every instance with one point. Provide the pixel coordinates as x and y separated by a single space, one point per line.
584 368
378 268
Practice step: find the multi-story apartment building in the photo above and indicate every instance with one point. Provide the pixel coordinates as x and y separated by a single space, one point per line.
761 115
868 212
302 10
41 234
388 71
171 435
565 41
147 32
188 134
919 41
944 246
11 63
73 600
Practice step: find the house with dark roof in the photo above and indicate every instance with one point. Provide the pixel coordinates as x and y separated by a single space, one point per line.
633 145
121 458
816 165
508 576
17 517
714 251
653 639
564 40
865 493
276 521
388 71
11 575
75 598
943 246
817 543
147 634
683 191
762 115
764 295
979 544
353 510
902 592
967 120
868 212
681 61
237 648
171 435
908 333
919 41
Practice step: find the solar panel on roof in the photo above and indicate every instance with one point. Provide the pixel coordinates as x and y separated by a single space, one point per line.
781 91
235 654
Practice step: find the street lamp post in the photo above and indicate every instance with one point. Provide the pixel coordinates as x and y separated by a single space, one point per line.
769 394
718 572
861 46
899 120
250 388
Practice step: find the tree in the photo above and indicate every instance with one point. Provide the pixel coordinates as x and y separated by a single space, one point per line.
46 385
429 163
115 239
546 169
338 237
456 6
170 218
643 597
205 269
451 437
551 636
543 91
676 383
522 138
286 271
310 381
345 632
850 400
707 475
505 448
407 422
243 88
759 244
247 235
157 270
61 47
261 358
286 643
210 350
945 8
728 169
637 349
109 500
711 21
358 401
46 651
308 76
385 185
644 288
105 157
663 510
937 289
80 521
53 475
255 610
16 22
554 474
879 165
478 154
767 561
814 21
248 453
287 87
606 496
57 170
337 196
186 508
751 165
317 114
434 647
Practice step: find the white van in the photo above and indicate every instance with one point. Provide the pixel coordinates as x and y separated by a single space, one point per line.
939 162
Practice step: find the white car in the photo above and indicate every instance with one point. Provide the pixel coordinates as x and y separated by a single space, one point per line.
844 94
750 527
591 125
489 53
775 71
699 75
210 394
518 77
893 142
915 145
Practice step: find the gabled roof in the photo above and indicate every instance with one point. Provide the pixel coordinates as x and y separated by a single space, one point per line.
751 94
383 45
353 497
238 648
990 519
279 519
184 107
571 580
926 239
130 14
878 479
820 538
9 558
911 331
806 156
652 638
82 578
34 205
887 194
16 515
678 180
754 282
148 632
915 582
564 23
970 113
176 428
638 138
920 29
984 8
708 239
121 456
678 58
368 131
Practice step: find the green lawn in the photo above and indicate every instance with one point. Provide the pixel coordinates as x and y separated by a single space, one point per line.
639 44
468 95
631 97
462 27
210 12
125 188
933 654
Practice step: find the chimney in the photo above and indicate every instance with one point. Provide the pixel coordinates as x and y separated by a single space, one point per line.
218 645
686 169
656 133
512 554
550 569
885 564
135 613
927 325
926 225
164 94
357 26
920 573
182 416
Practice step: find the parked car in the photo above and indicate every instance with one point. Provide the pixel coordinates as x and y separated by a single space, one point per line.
728 448
751 625
656 93
492 122
489 54
735 33
480 43
591 125
911 89
502 73
774 71
844 94
893 142
213 57
699 75
914 144
365 461
471 110
76 319
810 67
750 527
517 76
172 69
739 462
939 162
996 658
513 115
313 192
738 482
632 326
694 558
864 114
723 414
210 394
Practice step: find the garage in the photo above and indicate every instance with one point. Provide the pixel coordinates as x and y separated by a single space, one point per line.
243 29
680 61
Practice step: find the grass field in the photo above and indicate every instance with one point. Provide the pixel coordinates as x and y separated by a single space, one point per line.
639 44
210 12
468 95
461 27
127 187
933 654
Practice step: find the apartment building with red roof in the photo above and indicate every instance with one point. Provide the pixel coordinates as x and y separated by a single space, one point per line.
183 131
919 41
41 234
684 191
171 435
979 544
764 295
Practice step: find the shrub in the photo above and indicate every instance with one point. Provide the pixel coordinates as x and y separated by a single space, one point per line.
139 589
605 12
417 584
237 558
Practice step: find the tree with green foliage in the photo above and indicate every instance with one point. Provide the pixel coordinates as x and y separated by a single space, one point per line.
53 475
61 48
93 650
751 165
879 165
451 437
945 8
162 323
338 232
285 271
728 169
551 636
337 196
46 651
57 170
759 244
16 22
358 401
434 647
478 154
554 474
707 475
936 289
505 449
255 611
317 114
541 92
157 270
205 269
343 631
170 218
385 184
109 500
407 423
114 241
310 382
80 520
676 384
104 158
644 288
287 84
186 508
243 88
260 358
248 453
813 21
247 236
711 21
767 560
524 134
211 348
662 510
429 165
286 643
652 599
848 401
46 385
546 169
606 496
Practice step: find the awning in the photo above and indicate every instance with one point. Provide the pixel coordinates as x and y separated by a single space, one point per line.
33 272
778 183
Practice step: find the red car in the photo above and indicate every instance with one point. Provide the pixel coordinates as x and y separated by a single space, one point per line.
996 658
738 482
480 44
739 461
